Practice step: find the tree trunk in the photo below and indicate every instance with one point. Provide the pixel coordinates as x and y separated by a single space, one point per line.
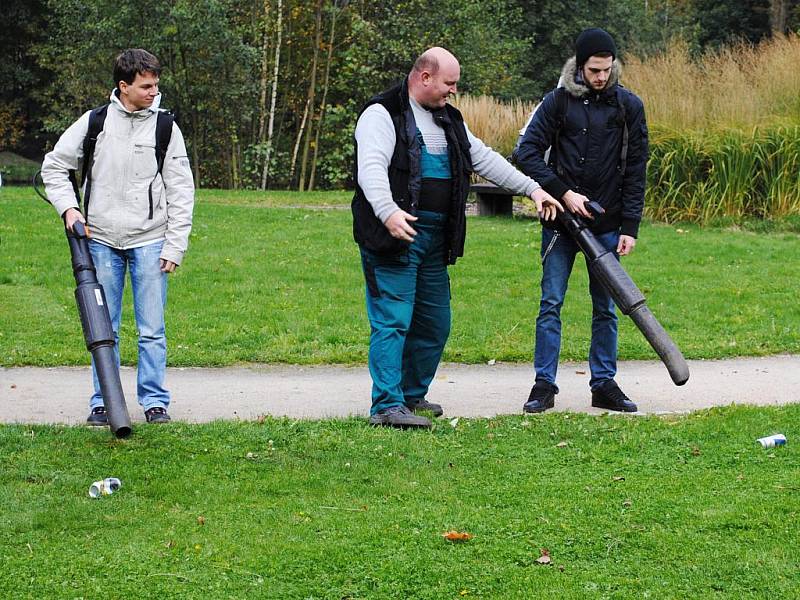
262 100
235 178
323 104
312 91
278 34
779 15
297 143
195 144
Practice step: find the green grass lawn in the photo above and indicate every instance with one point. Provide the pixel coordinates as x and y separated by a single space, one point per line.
627 507
263 282
674 507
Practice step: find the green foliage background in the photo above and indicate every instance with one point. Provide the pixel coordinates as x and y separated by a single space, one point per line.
219 57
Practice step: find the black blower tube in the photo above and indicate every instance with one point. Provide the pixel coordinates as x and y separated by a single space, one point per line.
630 300
97 330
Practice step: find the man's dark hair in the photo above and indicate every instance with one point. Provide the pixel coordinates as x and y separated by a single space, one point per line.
133 61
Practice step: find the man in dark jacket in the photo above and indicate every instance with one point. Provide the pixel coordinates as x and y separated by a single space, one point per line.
414 157
597 133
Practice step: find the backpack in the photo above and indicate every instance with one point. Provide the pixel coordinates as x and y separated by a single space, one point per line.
561 97
97 119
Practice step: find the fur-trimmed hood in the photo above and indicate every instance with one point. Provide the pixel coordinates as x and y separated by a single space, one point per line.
579 89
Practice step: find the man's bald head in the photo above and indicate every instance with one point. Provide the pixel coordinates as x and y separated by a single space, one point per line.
432 58
434 77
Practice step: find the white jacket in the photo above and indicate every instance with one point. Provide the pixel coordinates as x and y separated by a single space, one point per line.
124 168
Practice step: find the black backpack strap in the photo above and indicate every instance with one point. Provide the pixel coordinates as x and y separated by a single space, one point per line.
562 100
623 158
164 121
97 119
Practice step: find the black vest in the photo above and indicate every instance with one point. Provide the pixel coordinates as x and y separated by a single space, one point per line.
405 179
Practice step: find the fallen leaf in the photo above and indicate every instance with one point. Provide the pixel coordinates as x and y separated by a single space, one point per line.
544 559
170 544
13 386
201 520
695 451
627 504
563 444
463 593
618 478
580 372
457 536
561 568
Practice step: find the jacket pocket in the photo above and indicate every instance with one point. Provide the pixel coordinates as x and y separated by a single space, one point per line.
144 161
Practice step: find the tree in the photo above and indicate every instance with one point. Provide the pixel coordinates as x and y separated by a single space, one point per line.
724 21
23 79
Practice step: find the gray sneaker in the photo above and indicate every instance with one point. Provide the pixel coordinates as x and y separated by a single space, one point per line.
418 405
398 416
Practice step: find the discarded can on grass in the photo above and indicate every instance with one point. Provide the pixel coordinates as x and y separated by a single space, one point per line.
772 440
105 487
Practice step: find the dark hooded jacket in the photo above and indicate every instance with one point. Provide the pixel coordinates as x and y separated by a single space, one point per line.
587 156
405 179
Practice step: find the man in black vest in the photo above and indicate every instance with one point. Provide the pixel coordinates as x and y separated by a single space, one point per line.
414 157
597 133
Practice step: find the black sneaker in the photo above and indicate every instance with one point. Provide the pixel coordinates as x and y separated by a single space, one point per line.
542 397
608 396
419 405
98 417
398 416
157 415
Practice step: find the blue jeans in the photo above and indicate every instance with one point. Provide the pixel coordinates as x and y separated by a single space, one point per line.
408 305
149 285
558 256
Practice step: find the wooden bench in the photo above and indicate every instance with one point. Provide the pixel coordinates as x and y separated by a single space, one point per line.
493 200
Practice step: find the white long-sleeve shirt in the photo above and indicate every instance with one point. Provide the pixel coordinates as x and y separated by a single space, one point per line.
375 137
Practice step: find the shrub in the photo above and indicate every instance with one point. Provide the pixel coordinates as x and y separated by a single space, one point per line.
17 169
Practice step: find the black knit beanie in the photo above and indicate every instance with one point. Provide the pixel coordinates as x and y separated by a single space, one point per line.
593 41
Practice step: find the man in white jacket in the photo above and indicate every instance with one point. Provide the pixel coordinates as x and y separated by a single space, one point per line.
139 216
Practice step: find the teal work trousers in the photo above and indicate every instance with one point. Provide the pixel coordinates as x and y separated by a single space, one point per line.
408 305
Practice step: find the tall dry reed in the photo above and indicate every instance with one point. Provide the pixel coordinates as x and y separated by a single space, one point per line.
496 123
725 130
737 87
